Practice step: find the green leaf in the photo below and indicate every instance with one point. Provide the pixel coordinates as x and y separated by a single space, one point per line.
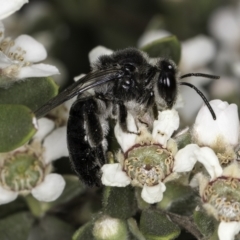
141 203
51 228
204 222
119 202
31 92
16 126
16 227
84 232
183 138
156 226
18 205
178 198
168 47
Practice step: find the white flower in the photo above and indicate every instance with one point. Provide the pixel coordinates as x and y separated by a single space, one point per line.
34 166
9 7
186 158
225 128
149 161
221 200
197 52
18 58
224 25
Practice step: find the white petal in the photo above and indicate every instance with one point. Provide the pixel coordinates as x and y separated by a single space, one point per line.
163 128
5 61
228 123
126 140
55 145
228 230
35 51
224 26
114 176
9 7
37 70
153 194
98 51
7 196
225 126
208 158
185 159
50 189
192 52
45 126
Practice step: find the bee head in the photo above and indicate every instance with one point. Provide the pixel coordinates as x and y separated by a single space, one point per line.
166 82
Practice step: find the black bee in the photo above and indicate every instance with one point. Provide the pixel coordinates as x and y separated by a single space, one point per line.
121 83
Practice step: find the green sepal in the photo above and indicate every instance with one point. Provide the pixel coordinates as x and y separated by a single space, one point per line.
183 138
16 126
31 92
133 228
16 226
178 198
50 228
141 203
84 232
156 225
204 222
119 202
167 47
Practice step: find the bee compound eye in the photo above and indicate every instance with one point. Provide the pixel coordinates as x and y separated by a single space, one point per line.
129 67
126 83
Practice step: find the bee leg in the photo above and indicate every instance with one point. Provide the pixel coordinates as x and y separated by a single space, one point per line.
86 140
122 119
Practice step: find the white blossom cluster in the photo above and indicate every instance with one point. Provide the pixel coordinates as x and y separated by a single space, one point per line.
214 145
28 169
214 141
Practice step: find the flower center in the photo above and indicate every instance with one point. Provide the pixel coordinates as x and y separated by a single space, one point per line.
224 195
15 54
22 172
148 164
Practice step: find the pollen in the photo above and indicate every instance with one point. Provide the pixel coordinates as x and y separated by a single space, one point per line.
148 164
16 57
223 195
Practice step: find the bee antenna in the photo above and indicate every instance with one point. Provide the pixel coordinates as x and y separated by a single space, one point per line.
202 96
199 75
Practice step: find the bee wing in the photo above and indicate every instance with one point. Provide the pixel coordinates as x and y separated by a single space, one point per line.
91 80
